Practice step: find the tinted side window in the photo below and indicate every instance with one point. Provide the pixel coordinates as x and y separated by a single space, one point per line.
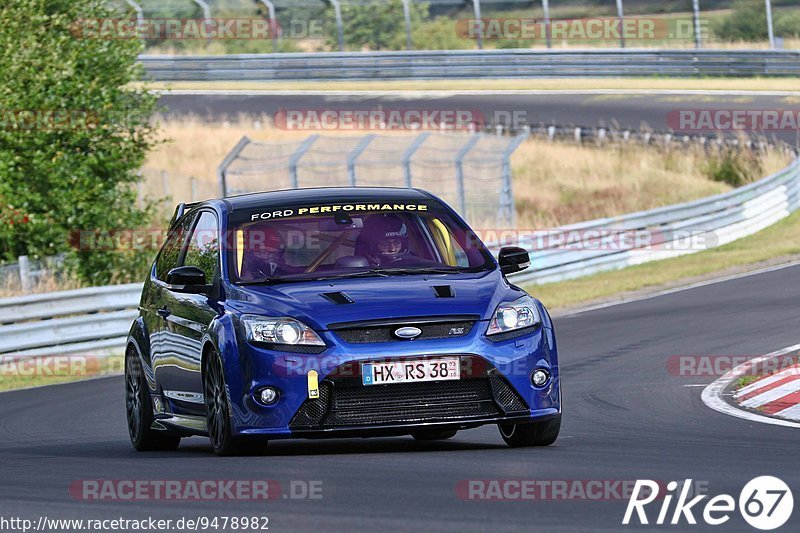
168 257
203 247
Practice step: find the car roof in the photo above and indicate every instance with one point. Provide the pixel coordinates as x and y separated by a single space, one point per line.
292 197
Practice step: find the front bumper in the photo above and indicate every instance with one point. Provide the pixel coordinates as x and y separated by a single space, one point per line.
495 387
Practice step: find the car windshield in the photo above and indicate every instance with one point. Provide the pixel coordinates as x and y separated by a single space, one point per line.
337 243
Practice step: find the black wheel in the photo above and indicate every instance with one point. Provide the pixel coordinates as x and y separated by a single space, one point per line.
139 408
434 434
536 434
218 418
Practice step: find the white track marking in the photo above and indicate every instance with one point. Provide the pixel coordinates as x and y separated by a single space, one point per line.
481 92
712 395
790 412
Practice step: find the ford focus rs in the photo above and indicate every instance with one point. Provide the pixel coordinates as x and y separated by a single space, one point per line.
335 312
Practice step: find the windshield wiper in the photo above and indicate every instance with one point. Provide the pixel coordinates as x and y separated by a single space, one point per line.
295 278
431 270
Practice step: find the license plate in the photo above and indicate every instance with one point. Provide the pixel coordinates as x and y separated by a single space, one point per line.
411 371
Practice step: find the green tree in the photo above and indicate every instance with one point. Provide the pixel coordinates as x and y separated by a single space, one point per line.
747 22
374 25
73 133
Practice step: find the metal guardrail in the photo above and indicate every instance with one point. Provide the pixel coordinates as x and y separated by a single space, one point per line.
68 322
98 318
470 64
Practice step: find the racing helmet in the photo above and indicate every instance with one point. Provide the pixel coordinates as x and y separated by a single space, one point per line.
386 236
265 243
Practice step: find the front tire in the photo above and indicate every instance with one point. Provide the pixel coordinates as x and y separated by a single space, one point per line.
139 410
542 433
218 415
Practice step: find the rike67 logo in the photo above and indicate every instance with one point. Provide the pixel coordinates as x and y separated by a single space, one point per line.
765 503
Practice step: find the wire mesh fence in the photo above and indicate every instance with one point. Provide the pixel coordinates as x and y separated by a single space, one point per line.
470 172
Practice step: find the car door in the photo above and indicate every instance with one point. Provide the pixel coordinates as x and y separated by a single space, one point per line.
187 318
153 306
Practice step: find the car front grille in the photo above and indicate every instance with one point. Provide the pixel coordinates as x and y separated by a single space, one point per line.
383 331
345 402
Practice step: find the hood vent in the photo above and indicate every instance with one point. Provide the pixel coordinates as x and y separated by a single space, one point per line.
338 298
444 291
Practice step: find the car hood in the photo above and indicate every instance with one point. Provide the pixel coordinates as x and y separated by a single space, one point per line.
315 302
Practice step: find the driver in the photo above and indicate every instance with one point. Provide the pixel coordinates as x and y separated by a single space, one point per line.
264 255
387 239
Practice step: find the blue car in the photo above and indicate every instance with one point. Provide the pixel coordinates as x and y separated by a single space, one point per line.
335 312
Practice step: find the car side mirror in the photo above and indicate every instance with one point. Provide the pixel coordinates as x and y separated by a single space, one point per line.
513 259
188 279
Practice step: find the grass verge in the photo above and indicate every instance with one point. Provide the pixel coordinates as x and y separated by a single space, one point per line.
775 244
550 84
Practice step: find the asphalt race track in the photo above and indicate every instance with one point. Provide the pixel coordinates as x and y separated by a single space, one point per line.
626 417
589 110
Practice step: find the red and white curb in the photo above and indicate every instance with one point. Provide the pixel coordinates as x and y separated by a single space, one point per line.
773 399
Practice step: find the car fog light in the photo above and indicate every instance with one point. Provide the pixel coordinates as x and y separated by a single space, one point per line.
267 395
539 377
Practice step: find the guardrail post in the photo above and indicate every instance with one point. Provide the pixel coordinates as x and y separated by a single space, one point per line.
273 24
409 153
223 167
621 17
477 5
337 10
770 30
507 212
24 273
546 9
462 153
352 157
295 159
407 16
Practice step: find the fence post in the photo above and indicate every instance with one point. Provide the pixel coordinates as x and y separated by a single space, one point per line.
621 17
353 156
462 153
409 153
770 30
273 24
139 15
24 273
507 198
407 16
546 8
295 158
696 11
223 167
337 9
477 5
206 13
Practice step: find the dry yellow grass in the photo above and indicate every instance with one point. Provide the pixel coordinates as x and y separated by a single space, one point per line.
554 182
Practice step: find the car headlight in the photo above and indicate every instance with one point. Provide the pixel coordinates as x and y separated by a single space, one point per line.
279 331
515 315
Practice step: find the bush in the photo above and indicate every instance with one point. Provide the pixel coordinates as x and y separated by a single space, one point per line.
748 22
73 137
374 25
734 167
